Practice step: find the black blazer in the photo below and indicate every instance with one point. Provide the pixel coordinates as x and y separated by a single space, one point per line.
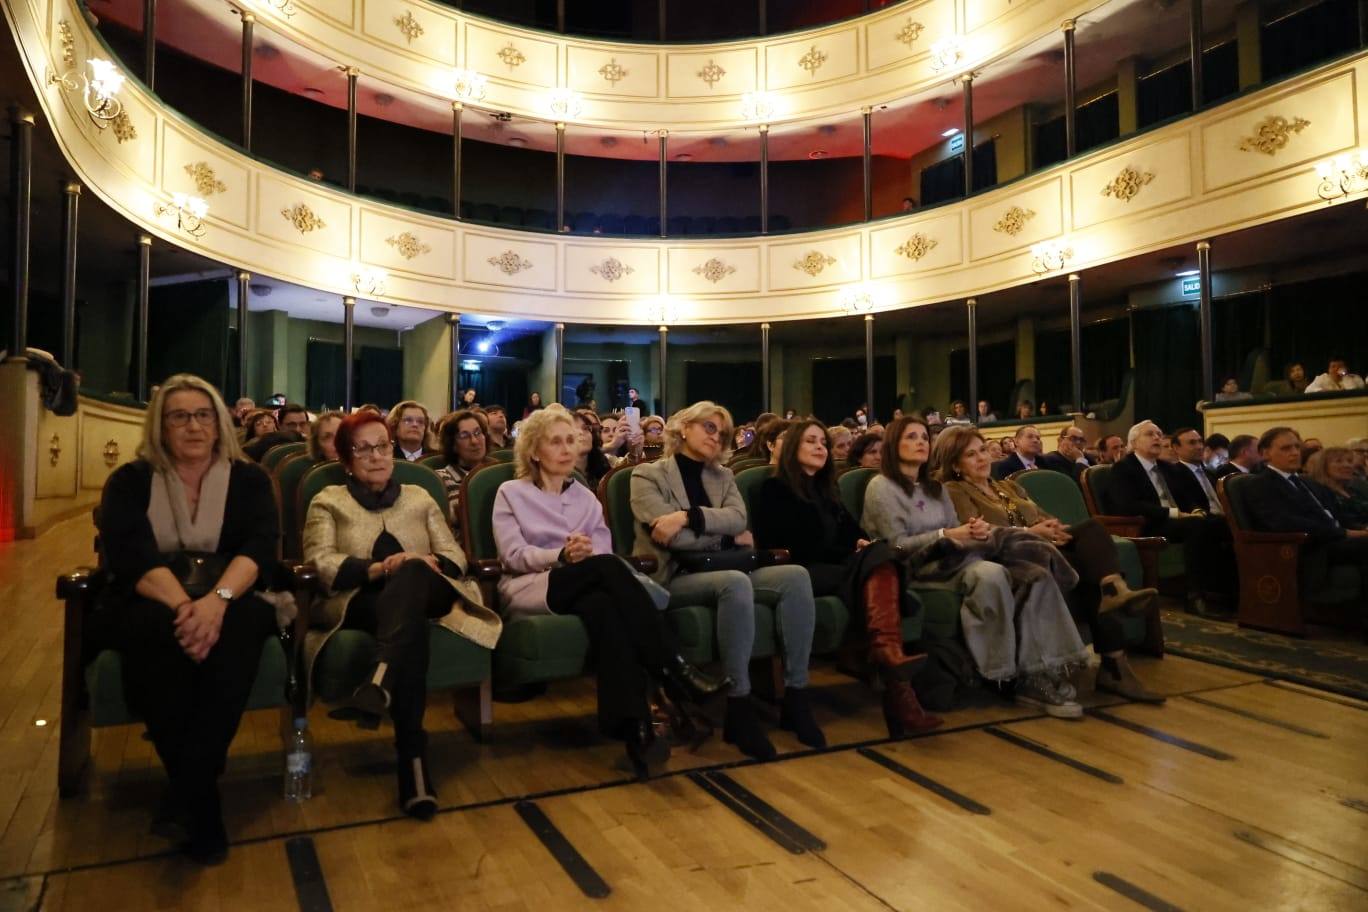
1228 468
1130 493
1062 464
251 523
1009 464
1276 505
1188 492
814 532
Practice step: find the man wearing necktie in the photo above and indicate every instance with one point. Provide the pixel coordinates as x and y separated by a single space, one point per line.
1281 500
1188 446
1173 504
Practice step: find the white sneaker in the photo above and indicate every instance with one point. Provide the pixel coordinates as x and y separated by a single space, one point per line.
1037 690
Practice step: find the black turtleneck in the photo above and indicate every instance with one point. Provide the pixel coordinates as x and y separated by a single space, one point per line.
691 473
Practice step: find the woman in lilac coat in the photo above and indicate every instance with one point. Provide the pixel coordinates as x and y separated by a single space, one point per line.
558 558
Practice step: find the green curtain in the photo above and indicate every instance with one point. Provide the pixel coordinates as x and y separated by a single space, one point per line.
187 331
1168 366
996 380
324 371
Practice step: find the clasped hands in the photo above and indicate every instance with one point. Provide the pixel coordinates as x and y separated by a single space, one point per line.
1053 531
197 625
390 565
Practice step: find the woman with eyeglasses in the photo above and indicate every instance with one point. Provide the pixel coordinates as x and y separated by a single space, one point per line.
961 462
465 440
411 428
188 530
688 501
590 459
390 565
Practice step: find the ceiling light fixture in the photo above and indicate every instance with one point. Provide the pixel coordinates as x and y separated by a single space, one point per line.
468 85
759 106
99 90
950 132
661 311
1342 176
369 281
857 299
564 104
190 212
1183 274
947 53
1048 256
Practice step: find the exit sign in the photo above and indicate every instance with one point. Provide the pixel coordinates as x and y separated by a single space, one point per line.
1192 286
957 143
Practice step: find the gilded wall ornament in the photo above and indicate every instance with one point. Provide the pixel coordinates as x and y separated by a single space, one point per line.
110 453
206 181
613 71
814 262
611 269
407 245
1126 185
1272 133
124 131
1014 220
408 26
910 32
812 61
512 57
714 270
303 218
712 73
509 263
68 41
54 450
916 247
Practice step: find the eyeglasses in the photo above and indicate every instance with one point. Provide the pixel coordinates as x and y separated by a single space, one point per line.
1081 441
476 434
710 428
413 419
180 417
377 450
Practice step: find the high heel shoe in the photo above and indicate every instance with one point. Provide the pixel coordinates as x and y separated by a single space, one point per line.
795 715
417 797
687 684
743 730
645 752
371 700
903 712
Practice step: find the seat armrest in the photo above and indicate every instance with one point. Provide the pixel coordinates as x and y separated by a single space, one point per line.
82 583
643 563
487 568
1149 542
1124 526
1271 538
305 575
773 556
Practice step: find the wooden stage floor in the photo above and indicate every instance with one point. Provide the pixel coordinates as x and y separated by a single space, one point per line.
1237 794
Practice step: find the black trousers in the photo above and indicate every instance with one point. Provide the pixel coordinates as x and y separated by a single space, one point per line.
396 612
1349 552
626 631
1093 554
1208 554
191 709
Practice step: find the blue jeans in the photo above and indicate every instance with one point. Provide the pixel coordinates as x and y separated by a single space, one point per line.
734 594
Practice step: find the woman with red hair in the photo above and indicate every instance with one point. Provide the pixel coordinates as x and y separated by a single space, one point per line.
390 564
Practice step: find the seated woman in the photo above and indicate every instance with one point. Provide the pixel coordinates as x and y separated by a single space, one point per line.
322 434
841 439
465 435
798 508
190 640
771 439
688 502
653 436
1335 469
258 424
866 452
558 554
589 456
1014 618
961 462
410 428
390 565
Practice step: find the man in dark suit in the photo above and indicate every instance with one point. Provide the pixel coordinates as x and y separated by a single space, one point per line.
1244 457
1068 459
1200 485
1280 500
1025 456
1174 506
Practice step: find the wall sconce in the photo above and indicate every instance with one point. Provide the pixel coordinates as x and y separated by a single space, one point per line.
759 106
99 90
190 212
368 281
564 104
284 7
1047 256
857 299
947 53
662 311
1342 176
468 85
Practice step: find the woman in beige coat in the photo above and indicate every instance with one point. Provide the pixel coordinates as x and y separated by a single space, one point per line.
388 559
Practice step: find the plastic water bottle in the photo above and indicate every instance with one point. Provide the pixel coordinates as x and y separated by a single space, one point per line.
299 763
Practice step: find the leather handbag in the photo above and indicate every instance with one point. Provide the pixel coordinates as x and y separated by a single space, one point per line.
197 571
743 559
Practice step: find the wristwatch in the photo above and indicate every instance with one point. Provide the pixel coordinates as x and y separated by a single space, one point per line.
225 593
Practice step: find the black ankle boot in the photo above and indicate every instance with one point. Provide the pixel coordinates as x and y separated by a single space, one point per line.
645 752
371 700
795 715
417 797
687 684
208 842
743 730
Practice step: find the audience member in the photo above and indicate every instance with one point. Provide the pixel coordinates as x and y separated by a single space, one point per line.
634 400
865 450
798 508
1166 453
1110 448
1045 409
960 461
711 517
1025 452
188 530
1336 378
959 414
1068 459
293 417
861 419
1244 457
1359 447
841 441
1333 469
1015 621
994 450
1188 446
241 408
533 403
1008 445
1215 451
558 556
389 563
790 414
590 460
256 448
258 423
497 437
465 445
1025 410
470 399
410 428
985 412
322 436
1230 391
1143 485
931 415
653 436
1295 375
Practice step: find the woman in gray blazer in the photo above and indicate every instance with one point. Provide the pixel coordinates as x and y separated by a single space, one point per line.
688 501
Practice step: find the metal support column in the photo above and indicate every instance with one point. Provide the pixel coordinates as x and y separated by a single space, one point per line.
664 184
244 288
560 363
764 178
560 177
1070 91
348 343
352 74
664 363
869 367
140 318
968 89
1195 51
248 23
72 197
867 163
454 321
1204 320
971 306
764 367
456 109
21 193
150 44
1076 338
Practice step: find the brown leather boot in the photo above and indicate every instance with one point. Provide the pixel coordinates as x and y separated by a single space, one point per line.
883 621
903 713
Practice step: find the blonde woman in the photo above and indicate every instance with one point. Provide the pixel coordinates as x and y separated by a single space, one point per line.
1333 468
323 436
558 554
188 529
410 428
687 502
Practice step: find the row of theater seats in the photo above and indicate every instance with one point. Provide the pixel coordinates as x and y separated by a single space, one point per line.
610 223
532 651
